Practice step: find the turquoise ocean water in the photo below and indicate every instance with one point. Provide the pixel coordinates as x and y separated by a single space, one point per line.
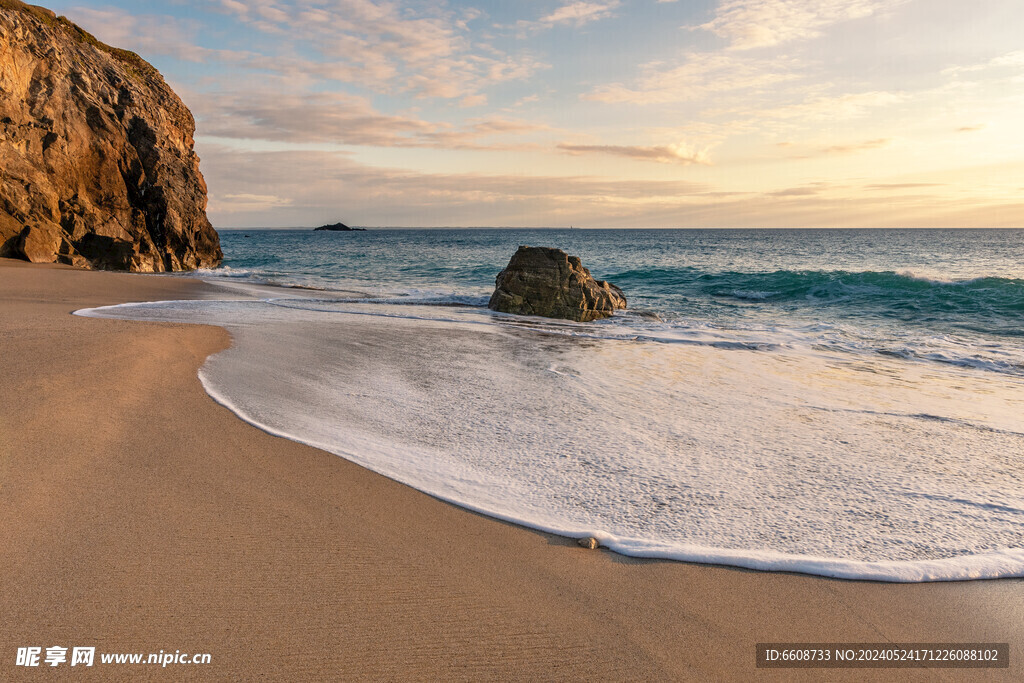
839 402
942 295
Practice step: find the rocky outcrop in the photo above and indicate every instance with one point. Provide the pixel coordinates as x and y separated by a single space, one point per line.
97 167
550 283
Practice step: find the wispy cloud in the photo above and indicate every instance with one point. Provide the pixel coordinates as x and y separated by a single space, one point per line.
667 154
811 151
821 108
147 34
575 13
1011 60
749 24
343 119
801 191
699 75
337 118
899 186
580 12
851 148
251 202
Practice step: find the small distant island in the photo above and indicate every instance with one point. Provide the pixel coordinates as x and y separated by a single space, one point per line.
338 227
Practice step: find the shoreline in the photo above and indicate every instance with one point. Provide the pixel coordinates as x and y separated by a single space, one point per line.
383 326
141 515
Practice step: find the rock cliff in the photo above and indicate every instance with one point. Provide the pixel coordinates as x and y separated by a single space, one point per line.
97 166
550 283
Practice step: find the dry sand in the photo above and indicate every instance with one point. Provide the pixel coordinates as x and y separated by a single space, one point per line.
136 515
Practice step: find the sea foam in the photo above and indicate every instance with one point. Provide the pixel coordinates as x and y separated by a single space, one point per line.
759 451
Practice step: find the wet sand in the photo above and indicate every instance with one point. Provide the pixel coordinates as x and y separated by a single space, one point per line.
137 515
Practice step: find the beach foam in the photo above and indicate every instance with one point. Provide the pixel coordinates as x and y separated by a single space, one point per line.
760 451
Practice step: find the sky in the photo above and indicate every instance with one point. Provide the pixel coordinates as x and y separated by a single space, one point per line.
593 113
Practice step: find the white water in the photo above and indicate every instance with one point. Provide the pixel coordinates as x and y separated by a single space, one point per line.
789 458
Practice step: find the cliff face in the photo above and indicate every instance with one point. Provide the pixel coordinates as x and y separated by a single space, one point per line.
97 167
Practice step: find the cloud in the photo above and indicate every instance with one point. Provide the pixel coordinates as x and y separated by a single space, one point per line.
812 152
857 146
970 129
700 75
749 24
359 28
250 202
425 50
801 191
579 13
668 154
822 108
899 186
342 119
495 125
147 35
1009 61
320 117
576 13
473 101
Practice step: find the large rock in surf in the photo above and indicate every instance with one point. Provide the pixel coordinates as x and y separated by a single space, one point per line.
550 283
97 167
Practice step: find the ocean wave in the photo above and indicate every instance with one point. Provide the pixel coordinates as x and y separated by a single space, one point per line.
754 296
659 277
983 305
222 271
939 279
823 285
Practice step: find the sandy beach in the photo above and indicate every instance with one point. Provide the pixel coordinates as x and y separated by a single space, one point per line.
137 515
